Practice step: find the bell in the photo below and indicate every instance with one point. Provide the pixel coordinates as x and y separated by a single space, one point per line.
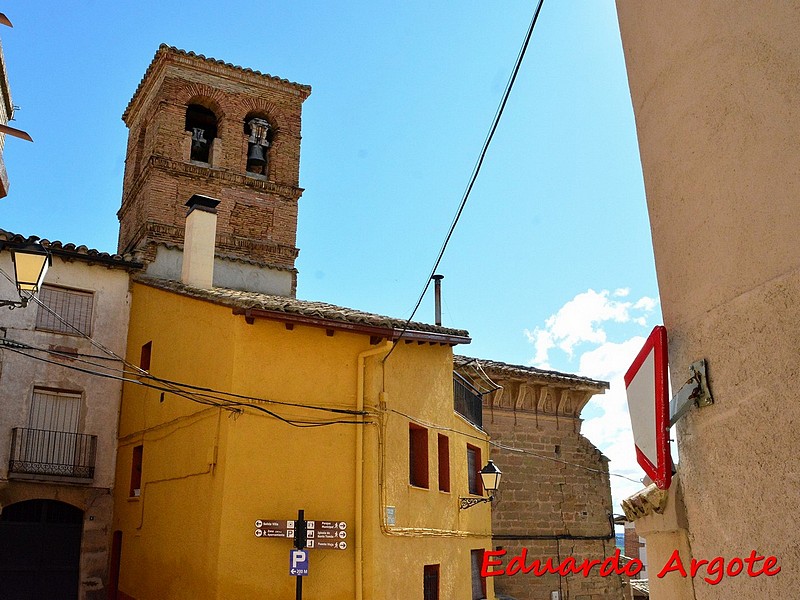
199 143
255 156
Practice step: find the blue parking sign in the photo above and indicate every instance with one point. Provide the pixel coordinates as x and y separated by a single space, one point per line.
298 563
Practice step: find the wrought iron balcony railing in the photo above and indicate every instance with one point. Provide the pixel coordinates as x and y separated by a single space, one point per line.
467 400
55 453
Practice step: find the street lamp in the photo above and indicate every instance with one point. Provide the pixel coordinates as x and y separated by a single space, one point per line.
490 476
30 265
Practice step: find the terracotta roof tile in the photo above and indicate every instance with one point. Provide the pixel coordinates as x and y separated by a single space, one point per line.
522 371
167 49
71 251
293 306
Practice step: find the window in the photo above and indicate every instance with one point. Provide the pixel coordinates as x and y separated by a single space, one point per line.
418 455
70 311
54 418
202 123
136 472
430 582
144 358
474 470
443 447
55 410
478 582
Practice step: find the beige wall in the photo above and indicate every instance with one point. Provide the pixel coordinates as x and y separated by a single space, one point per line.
100 404
716 94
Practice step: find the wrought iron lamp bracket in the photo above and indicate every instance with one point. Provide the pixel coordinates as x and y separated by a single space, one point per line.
465 503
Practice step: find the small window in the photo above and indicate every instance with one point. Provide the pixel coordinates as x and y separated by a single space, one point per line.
418 455
144 359
474 470
478 582
55 410
430 582
443 447
67 311
136 472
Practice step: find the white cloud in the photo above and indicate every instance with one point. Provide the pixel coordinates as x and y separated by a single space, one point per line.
580 321
605 361
580 324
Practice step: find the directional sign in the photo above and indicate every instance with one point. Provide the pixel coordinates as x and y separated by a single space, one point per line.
298 563
274 529
647 389
324 534
319 534
330 545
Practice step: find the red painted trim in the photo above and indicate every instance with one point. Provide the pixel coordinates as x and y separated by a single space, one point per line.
661 474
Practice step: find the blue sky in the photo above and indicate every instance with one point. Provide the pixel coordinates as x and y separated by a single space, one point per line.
403 96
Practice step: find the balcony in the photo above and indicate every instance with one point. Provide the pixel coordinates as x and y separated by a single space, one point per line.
467 401
53 454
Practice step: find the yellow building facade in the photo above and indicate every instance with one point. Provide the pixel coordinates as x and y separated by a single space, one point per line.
196 469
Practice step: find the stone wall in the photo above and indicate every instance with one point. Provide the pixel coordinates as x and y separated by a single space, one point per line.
555 498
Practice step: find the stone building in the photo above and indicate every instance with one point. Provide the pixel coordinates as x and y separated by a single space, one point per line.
555 498
58 422
716 96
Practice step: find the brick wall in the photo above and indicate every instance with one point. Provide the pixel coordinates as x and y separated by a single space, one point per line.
258 213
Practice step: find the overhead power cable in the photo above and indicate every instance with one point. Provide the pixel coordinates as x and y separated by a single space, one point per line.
512 448
186 391
205 399
475 171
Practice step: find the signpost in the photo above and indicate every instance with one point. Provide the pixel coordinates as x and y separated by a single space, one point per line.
322 535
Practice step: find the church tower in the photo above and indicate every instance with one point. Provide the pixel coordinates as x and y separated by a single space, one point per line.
202 126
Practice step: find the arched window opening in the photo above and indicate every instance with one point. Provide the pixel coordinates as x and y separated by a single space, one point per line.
259 137
202 123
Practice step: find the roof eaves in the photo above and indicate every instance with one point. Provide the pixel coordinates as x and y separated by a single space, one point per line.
165 50
253 305
523 371
71 251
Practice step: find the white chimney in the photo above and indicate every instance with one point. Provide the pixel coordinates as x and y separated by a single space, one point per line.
198 242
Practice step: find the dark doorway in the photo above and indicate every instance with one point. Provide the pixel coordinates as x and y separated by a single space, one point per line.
40 548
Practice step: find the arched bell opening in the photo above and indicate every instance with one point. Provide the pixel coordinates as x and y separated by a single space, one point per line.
201 122
259 135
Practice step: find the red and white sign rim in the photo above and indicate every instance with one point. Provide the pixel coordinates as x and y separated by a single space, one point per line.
660 473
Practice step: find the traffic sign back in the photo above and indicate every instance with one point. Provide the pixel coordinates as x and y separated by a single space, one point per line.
647 388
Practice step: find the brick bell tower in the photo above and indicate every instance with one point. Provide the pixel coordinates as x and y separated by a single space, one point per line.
202 126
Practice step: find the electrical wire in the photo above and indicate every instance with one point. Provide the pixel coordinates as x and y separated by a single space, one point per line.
510 448
204 399
475 171
211 392
176 387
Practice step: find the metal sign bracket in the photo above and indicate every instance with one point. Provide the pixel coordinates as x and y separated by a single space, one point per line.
695 392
